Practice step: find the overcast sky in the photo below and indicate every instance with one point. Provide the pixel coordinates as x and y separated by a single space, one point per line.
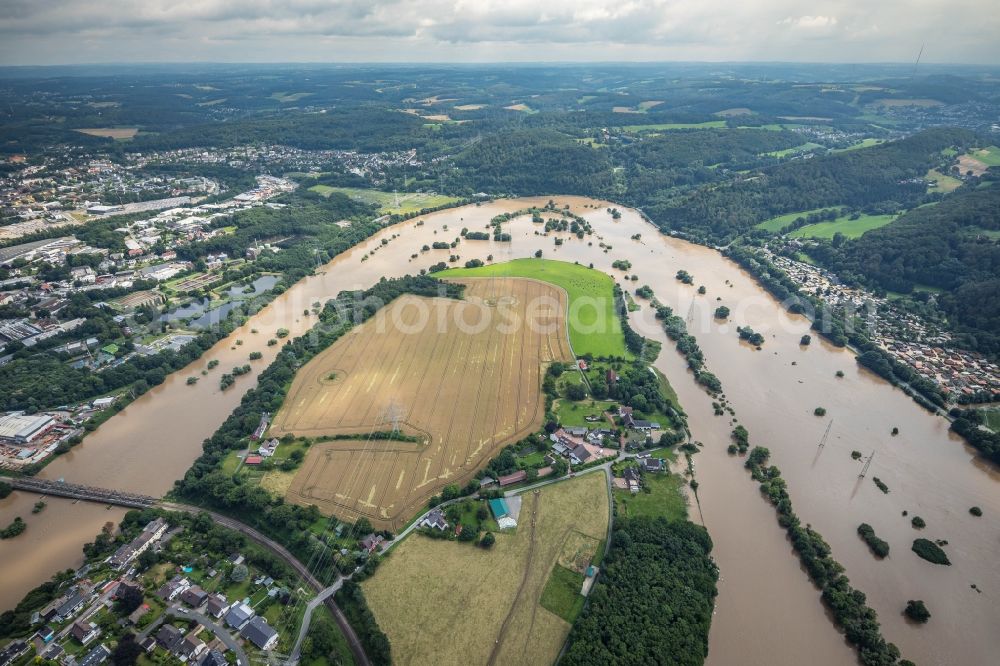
91 31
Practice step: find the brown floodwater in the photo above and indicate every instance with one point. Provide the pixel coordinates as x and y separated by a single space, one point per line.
767 611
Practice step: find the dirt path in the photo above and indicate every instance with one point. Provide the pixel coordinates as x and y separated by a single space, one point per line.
524 581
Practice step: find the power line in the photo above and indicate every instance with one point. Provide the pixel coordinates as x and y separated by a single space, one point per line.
868 463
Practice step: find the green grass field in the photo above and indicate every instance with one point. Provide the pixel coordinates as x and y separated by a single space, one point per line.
992 419
574 414
805 147
561 594
409 202
850 228
943 182
594 327
674 126
864 143
776 224
664 499
990 156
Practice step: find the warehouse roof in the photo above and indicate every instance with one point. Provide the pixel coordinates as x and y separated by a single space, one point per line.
21 426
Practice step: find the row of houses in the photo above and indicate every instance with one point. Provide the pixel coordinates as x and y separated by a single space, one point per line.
125 554
238 616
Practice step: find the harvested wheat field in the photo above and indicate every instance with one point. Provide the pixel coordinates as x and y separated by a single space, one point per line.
455 376
431 595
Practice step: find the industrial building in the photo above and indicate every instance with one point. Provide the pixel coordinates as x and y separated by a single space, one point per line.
19 428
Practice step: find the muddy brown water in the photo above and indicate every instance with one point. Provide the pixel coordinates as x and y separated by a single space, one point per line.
767 611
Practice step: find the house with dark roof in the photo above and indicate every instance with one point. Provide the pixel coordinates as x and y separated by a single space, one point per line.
258 632
12 652
238 615
148 644
172 589
579 454
654 465
194 596
96 656
84 632
212 658
191 647
632 480
169 637
46 633
435 520
53 652
72 605
217 605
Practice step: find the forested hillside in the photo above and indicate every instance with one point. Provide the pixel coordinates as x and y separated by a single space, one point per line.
881 179
527 162
950 246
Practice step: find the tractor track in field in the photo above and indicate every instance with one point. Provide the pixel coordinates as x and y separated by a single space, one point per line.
524 581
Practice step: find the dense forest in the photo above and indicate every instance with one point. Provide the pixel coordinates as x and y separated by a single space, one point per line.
529 162
881 179
653 601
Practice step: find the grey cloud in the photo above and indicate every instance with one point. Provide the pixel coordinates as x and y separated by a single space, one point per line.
38 31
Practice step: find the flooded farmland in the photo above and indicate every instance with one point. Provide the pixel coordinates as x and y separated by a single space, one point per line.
767 610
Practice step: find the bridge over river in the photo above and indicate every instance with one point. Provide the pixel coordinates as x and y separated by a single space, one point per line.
78 492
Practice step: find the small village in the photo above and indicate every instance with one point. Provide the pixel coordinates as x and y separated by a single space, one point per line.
962 375
175 604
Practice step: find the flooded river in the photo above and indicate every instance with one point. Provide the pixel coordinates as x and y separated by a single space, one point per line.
767 611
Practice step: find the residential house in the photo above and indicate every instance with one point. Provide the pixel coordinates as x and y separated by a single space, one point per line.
268 448
96 656
45 634
632 480
53 652
191 647
577 432
148 644
654 465
173 588
371 542
217 605
84 632
238 615
72 605
194 596
150 534
579 454
435 520
12 652
625 413
169 637
212 658
258 632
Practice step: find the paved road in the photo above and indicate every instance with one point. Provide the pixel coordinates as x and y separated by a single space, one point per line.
307 617
360 658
